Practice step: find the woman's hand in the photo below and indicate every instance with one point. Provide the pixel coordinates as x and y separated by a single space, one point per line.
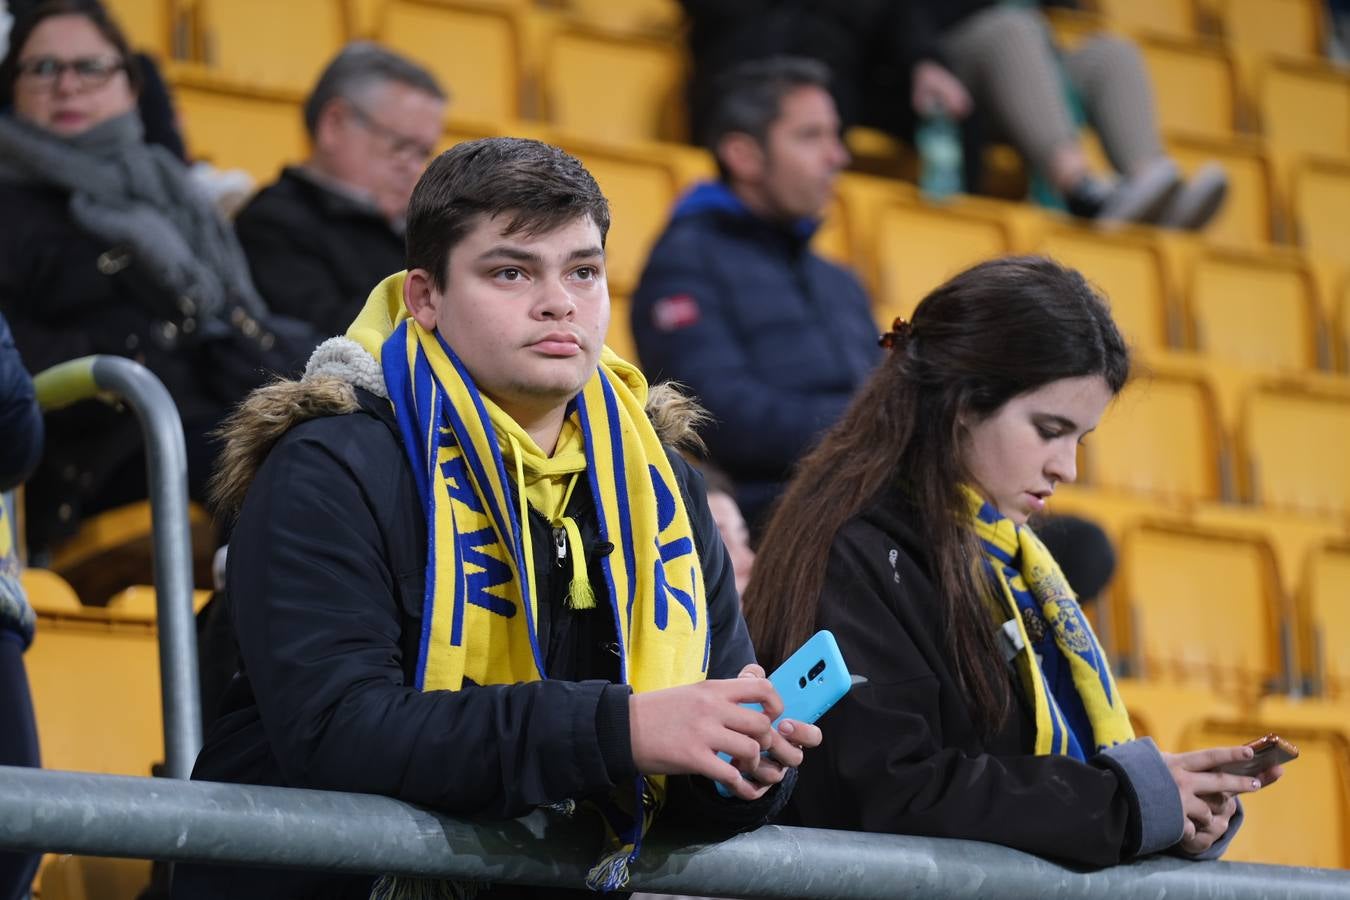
934 89
1209 797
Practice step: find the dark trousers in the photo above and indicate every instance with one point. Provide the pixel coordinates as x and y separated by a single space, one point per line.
18 747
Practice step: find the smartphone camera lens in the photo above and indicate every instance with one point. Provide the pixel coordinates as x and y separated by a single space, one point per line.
815 670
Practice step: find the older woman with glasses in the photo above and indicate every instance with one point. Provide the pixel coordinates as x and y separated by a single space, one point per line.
108 247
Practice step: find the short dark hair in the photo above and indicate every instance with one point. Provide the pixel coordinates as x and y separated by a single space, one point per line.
358 67
539 186
750 97
98 16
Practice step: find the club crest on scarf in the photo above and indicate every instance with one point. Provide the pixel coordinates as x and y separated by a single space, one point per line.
480 606
1034 588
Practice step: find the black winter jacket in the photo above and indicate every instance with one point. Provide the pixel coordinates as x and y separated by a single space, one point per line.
20 417
903 754
326 578
314 253
771 337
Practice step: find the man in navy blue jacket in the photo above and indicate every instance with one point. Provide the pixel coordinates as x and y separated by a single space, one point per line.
771 337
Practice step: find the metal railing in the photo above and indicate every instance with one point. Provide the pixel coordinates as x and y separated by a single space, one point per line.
111 815
166 474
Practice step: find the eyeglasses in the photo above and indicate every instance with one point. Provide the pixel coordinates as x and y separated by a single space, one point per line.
90 71
400 145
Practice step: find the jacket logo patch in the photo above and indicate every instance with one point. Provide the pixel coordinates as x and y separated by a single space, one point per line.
675 312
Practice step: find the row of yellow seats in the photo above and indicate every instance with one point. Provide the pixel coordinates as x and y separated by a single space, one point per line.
1202 602
1190 429
509 61
904 248
1272 308
1294 28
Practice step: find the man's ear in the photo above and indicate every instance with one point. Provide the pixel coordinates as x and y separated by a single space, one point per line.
421 298
328 126
742 155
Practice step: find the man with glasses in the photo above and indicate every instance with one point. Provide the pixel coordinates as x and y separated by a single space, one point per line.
329 229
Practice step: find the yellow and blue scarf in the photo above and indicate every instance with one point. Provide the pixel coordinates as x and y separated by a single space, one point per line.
480 604
1062 668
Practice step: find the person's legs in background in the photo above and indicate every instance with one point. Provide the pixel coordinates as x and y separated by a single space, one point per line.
1109 75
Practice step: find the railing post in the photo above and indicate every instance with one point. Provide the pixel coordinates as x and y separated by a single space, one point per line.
166 474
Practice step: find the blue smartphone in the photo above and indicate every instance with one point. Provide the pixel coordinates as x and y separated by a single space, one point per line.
811 681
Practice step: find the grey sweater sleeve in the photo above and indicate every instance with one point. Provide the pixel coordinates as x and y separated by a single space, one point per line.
1141 768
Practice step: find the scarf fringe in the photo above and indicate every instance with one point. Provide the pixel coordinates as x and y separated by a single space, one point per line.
393 887
611 873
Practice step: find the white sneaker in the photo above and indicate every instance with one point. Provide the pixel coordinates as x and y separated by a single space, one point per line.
1199 201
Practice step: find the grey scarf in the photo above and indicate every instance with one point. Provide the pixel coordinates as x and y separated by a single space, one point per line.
137 195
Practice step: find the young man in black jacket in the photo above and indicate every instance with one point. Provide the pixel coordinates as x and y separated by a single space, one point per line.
466 571
772 338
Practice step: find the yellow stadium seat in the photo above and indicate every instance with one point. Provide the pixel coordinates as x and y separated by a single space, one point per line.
1168 17
635 17
1202 607
1321 197
148 24
94 674
254 130
918 247
1258 310
641 82
1292 537
260 43
67 877
1287 27
1163 711
1194 84
1114 511
112 550
1324 607
1304 818
1248 213
1129 269
474 52
1161 437
620 336
1292 449
641 190
1305 107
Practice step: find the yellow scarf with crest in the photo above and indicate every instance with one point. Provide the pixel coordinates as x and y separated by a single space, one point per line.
1035 593
480 605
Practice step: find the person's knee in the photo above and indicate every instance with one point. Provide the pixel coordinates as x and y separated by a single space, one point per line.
1112 56
1015 27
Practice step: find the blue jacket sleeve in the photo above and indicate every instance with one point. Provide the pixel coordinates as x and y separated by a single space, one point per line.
20 417
760 426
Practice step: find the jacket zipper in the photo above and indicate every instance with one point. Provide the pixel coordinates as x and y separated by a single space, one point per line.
560 544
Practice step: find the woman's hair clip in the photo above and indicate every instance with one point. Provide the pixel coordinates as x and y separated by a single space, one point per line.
898 335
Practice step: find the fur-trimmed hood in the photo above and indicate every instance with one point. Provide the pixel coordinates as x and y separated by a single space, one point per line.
328 388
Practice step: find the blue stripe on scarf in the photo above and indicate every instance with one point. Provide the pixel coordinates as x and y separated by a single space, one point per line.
621 495
507 523
395 364
997 552
606 561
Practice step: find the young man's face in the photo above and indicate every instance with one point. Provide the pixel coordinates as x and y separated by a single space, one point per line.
802 155
527 314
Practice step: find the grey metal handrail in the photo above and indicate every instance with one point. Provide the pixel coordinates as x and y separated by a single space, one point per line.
111 815
166 474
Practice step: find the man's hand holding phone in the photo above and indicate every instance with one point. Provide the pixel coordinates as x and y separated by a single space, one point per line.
680 731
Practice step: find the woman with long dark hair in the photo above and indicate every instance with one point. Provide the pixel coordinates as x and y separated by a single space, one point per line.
990 712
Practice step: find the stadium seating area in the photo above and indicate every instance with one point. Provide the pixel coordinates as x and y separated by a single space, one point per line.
1223 473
